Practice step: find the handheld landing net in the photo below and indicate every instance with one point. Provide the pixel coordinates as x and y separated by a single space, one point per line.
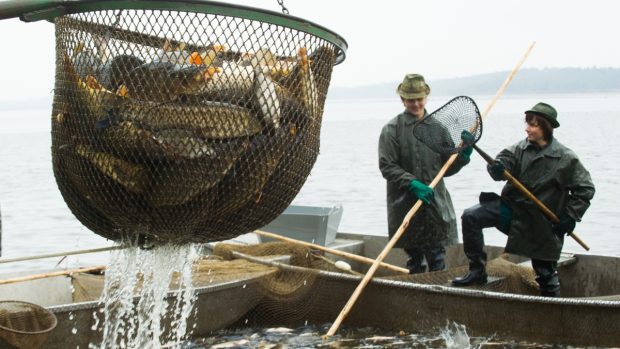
188 125
24 325
441 130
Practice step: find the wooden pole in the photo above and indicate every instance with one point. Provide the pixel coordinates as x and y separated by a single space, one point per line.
351 256
51 274
58 254
515 182
358 291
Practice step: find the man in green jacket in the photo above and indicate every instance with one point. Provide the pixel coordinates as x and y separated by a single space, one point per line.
552 173
408 166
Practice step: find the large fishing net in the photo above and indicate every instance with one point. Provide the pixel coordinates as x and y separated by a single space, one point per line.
186 126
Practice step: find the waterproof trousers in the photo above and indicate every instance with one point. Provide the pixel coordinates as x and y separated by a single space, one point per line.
491 214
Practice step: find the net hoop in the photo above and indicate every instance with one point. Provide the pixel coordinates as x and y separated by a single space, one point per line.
48 10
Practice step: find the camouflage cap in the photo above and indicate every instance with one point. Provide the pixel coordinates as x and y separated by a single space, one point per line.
546 111
413 87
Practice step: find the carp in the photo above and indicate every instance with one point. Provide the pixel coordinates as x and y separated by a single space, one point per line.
112 73
165 81
131 176
212 120
180 181
246 180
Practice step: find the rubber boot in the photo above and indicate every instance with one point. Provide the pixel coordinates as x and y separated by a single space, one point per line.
416 265
416 262
548 279
437 259
477 274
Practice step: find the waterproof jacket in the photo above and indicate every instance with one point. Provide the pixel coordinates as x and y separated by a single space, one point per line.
556 177
402 158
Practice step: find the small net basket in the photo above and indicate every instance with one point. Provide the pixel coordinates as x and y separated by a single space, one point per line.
186 121
25 325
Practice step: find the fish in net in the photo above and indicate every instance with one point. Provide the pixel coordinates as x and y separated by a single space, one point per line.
185 126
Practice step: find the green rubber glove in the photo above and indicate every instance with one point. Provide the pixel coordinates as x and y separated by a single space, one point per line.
465 153
468 139
422 191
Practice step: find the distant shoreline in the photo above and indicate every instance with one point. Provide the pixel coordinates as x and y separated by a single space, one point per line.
527 82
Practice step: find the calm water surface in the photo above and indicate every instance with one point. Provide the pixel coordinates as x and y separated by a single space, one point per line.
36 220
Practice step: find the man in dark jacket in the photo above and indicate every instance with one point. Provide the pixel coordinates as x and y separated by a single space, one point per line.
552 173
409 165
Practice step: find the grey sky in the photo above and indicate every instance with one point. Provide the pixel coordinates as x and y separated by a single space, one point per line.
439 39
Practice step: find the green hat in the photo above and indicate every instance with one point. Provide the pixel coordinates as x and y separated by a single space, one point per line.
413 87
546 111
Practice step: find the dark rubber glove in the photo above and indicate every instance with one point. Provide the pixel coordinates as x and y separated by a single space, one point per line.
496 171
566 225
422 191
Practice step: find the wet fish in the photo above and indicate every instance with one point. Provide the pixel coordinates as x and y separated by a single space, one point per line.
268 62
241 343
322 63
87 101
128 140
267 100
86 63
212 120
165 81
113 73
232 79
130 175
278 330
302 84
180 181
246 180
182 144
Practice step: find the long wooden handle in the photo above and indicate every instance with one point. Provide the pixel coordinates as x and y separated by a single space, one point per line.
515 182
351 256
358 291
51 274
58 254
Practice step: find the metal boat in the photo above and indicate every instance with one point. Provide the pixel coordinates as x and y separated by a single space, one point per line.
587 314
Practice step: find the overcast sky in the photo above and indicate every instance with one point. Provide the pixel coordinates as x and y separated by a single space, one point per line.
387 39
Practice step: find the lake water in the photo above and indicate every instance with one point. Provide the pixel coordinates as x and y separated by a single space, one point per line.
35 219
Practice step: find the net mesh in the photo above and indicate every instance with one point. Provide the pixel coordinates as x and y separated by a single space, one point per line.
181 126
24 325
441 130
290 295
